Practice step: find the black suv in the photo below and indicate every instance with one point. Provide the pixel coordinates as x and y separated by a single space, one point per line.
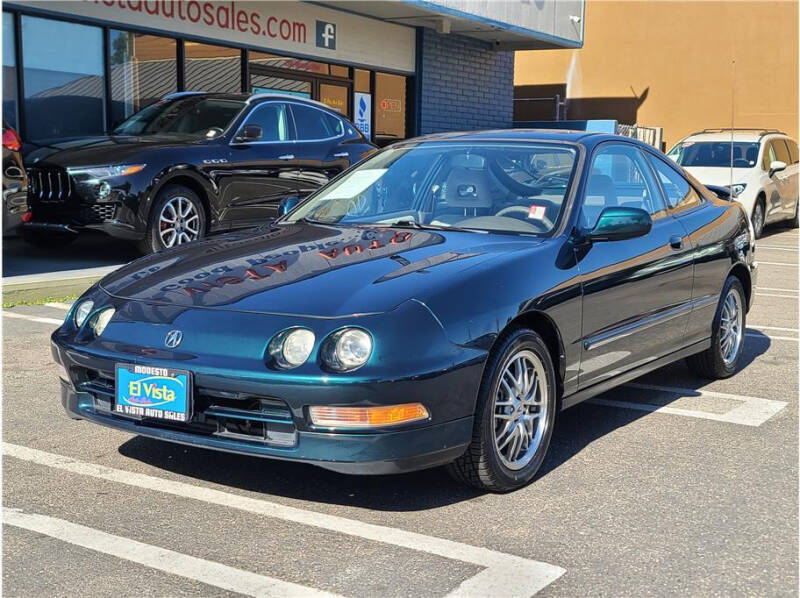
187 165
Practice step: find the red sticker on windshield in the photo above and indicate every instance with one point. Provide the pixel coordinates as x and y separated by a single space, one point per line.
536 212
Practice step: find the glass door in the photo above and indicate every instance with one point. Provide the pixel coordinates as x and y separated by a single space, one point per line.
265 82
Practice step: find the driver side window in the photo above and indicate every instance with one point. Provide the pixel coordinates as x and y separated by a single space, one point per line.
618 176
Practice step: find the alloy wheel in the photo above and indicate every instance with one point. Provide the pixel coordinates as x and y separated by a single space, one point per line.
178 222
520 409
730 337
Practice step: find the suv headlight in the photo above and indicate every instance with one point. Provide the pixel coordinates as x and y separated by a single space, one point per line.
737 189
347 349
105 172
82 311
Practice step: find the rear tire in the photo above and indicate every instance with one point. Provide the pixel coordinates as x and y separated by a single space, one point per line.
716 362
46 239
177 217
514 416
757 218
795 222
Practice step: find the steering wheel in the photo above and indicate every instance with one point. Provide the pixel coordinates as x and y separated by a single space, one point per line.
544 222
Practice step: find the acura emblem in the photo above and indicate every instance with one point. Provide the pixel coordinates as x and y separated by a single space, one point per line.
174 338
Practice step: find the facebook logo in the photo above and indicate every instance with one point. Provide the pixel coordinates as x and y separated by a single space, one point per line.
326 35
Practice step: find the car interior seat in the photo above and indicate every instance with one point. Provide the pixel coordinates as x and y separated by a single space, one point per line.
467 193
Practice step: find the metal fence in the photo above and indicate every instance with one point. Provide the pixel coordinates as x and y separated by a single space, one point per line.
651 135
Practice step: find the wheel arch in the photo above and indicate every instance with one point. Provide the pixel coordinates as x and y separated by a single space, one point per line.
188 179
541 323
740 271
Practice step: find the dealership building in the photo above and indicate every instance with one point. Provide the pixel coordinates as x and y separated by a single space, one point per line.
397 69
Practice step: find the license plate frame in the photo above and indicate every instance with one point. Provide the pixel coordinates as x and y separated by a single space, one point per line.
155 403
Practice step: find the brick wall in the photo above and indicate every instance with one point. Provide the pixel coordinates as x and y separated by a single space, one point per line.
465 85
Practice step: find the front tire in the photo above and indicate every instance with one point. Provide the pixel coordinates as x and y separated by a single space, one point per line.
514 416
177 217
722 358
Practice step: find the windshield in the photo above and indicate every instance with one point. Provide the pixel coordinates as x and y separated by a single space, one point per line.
715 154
193 115
509 187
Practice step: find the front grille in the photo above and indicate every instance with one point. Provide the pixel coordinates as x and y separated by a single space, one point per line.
49 185
240 416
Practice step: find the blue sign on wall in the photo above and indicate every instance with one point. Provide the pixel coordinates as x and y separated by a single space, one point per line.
326 35
362 103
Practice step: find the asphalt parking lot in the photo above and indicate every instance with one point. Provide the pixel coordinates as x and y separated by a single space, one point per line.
667 486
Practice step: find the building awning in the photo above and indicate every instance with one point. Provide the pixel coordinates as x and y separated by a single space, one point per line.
506 24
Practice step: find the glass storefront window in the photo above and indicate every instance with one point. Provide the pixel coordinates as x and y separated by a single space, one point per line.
390 106
9 72
270 84
361 81
213 68
334 97
64 82
287 62
143 70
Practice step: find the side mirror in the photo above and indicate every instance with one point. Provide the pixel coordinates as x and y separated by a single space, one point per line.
287 204
721 192
248 133
776 166
617 223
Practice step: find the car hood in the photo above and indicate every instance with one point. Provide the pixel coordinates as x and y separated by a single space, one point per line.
311 270
718 176
97 151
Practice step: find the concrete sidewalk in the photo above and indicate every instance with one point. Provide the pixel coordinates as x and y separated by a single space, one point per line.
33 274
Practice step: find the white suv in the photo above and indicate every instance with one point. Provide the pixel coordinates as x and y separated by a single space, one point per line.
760 167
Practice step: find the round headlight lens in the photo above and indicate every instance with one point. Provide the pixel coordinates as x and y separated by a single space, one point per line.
82 312
293 347
352 349
101 320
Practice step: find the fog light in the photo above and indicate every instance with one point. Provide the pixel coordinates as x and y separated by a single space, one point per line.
103 190
101 320
366 417
82 312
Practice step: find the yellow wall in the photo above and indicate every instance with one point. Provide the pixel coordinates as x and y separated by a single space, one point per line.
688 58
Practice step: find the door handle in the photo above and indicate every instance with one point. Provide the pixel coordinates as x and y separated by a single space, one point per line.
286 157
676 242
341 155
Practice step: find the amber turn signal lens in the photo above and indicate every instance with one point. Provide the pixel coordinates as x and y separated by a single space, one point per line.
367 417
133 169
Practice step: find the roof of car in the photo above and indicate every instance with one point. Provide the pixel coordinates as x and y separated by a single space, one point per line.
753 135
247 97
563 135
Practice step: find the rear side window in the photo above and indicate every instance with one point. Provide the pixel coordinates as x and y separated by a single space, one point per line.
782 151
273 119
315 124
792 151
679 193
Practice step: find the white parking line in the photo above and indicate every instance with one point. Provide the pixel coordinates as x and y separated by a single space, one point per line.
504 574
773 337
778 328
760 294
776 247
11 314
777 264
59 305
760 288
163 559
752 412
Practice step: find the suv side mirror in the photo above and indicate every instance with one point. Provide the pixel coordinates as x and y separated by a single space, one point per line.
776 166
287 204
617 223
248 133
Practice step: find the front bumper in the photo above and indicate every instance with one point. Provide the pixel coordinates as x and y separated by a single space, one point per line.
372 453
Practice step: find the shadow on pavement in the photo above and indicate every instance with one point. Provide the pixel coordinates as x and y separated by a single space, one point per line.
405 492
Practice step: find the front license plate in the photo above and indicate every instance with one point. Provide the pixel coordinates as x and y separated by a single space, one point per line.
154 392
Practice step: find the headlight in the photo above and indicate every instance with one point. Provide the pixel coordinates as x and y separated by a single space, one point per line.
737 189
82 312
101 320
291 348
348 349
105 172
